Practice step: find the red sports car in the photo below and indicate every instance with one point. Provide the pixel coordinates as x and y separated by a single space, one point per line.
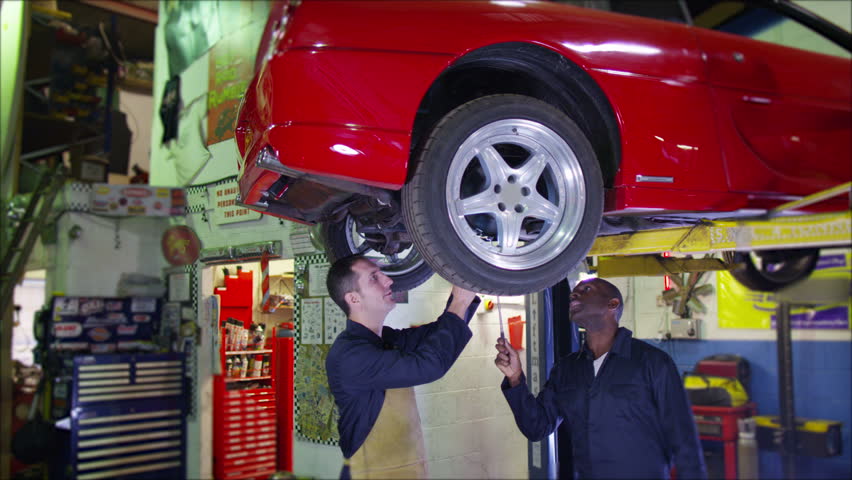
493 141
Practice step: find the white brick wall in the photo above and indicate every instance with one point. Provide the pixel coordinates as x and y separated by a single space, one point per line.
468 428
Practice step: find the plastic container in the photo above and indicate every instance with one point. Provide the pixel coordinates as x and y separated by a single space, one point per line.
516 332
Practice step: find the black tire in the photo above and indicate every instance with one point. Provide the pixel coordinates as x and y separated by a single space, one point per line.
476 177
407 271
772 270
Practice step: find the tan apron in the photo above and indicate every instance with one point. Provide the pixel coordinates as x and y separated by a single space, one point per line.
394 448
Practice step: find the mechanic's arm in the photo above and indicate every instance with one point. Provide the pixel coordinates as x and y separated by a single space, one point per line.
462 304
438 346
678 422
536 417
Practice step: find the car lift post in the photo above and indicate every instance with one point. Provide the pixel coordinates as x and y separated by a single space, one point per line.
814 291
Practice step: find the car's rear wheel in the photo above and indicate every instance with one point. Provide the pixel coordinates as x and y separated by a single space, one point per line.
405 266
772 270
506 197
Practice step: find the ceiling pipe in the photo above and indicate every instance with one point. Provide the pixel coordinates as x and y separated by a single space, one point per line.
125 8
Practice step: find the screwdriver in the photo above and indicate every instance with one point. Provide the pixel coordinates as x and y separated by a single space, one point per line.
500 317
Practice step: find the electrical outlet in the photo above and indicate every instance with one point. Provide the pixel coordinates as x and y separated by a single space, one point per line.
686 328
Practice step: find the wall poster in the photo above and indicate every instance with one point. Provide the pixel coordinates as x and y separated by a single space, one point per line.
740 307
231 69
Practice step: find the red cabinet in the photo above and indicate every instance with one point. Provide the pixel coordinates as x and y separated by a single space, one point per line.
245 421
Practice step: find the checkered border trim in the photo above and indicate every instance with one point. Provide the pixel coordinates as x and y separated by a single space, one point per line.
76 197
301 263
197 196
192 358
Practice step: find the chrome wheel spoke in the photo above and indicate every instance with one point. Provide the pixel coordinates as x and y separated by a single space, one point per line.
493 164
509 232
542 208
532 169
483 202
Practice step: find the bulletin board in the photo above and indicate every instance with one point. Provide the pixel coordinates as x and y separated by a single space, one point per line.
318 322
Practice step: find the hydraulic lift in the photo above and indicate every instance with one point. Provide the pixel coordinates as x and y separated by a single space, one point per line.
638 253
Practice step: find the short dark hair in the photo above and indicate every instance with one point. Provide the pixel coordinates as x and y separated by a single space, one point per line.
342 279
613 292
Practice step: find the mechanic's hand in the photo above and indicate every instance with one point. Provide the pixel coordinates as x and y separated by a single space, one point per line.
508 361
459 301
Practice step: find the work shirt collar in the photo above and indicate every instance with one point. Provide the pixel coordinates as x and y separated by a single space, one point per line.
621 345
359 330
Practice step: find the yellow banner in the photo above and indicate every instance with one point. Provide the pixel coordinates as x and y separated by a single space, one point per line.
740 307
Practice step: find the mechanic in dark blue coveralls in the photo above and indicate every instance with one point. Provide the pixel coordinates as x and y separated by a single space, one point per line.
623 399
372 368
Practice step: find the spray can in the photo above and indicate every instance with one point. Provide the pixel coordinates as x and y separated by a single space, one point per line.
257 366
265 368
244 372
229 367
236 370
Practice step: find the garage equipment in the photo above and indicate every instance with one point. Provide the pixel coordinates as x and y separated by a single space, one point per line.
719 424
128 416
726 365
637 253
30 225
816 438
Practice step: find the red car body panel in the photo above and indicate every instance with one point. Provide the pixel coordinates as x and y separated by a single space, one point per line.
339 97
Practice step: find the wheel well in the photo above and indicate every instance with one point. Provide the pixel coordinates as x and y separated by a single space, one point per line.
530 70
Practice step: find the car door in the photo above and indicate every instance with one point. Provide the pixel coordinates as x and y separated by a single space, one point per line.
784 113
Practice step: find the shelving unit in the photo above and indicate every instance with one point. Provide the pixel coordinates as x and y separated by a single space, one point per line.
253 415
245 420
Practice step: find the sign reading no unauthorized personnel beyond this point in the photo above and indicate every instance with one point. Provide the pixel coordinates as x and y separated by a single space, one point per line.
224 202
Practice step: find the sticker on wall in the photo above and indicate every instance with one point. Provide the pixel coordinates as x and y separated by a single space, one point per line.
99 334
127 329
104 348
66 306
180 245
137 200
67 330
91 306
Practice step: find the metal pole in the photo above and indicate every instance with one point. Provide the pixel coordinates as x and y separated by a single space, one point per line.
113 70
785 390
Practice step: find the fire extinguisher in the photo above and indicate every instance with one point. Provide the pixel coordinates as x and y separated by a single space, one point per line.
747 449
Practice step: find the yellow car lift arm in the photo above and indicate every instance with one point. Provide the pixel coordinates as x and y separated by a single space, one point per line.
638 252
